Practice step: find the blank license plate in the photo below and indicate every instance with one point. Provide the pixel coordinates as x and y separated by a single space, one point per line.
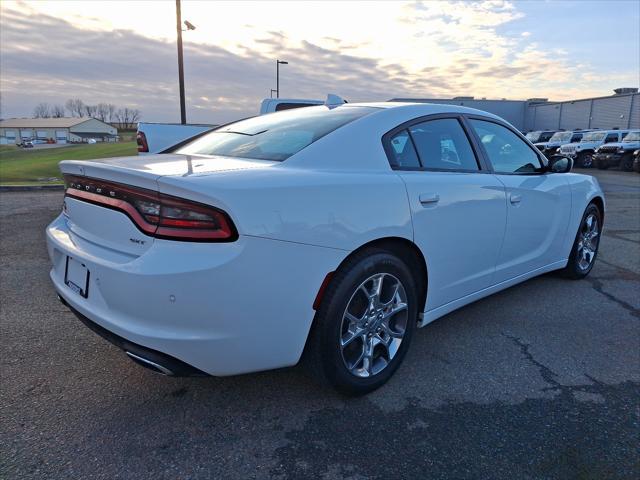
76 276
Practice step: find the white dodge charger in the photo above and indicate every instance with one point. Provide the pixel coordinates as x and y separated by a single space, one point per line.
322 233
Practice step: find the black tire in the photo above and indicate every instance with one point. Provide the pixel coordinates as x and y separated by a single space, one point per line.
600 165
574 269
585 160
323 355
626 164
636 165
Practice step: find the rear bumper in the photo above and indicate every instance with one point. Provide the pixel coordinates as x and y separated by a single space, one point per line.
149 358
220 308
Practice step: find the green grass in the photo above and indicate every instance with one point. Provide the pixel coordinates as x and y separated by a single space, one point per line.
41 165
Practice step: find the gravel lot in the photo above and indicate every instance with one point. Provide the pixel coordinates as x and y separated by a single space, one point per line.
539 381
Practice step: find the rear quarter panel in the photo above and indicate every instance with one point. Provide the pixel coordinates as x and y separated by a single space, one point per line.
335 209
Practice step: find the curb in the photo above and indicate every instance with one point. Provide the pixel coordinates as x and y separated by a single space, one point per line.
29 188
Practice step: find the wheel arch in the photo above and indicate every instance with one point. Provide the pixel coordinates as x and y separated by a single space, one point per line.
408 252
405 249
598 201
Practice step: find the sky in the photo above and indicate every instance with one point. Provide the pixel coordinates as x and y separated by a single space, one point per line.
124 52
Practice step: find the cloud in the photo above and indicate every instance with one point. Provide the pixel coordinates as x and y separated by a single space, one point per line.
430 49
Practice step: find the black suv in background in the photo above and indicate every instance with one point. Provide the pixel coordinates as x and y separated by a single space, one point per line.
619 153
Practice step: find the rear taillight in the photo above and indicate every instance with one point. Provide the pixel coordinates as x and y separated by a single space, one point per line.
155 214
141 140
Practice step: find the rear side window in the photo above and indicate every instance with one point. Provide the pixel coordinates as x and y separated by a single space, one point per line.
443 145
275 136
404 155
507 152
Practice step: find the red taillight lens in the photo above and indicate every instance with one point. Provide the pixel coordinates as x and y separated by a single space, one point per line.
156 214
141 140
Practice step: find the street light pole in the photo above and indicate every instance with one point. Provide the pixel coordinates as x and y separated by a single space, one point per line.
278 63
183 112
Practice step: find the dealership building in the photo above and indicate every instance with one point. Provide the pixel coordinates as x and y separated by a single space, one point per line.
618 111
61 130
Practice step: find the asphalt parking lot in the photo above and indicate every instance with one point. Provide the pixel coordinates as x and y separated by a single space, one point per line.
539 381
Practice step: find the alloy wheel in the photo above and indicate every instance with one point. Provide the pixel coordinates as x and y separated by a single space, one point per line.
588 241
373 325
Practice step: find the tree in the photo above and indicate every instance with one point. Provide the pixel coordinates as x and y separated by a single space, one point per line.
102 112
42 110
111 109
128 117
90 110
75 106
57 111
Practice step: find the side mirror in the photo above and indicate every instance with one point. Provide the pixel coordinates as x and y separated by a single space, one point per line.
560 164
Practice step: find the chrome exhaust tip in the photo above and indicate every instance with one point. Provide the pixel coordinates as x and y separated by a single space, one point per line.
149 364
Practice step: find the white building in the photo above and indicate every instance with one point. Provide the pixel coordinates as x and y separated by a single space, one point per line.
61 130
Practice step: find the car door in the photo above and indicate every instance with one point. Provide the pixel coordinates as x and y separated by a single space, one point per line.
538 203
458 208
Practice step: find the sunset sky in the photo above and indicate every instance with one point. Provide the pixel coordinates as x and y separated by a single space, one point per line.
125 52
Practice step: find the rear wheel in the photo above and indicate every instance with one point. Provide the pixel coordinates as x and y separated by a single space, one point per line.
365 323
585 247
585 160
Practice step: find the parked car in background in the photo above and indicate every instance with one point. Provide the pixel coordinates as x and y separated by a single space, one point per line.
636 161
26 144
619 153
327 233
540 136
558 139
159 137
582 151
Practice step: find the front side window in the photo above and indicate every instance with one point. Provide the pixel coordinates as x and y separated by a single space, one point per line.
612 137
275 136
507 152
443 145
576 138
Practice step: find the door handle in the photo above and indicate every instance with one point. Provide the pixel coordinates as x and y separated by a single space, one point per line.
515 198
426 198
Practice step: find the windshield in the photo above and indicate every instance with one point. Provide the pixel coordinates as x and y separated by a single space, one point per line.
632 137
561 137
275 136
533 136
593 137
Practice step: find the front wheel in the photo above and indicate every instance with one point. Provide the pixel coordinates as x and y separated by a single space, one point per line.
626 164
365 323
585 160
585 247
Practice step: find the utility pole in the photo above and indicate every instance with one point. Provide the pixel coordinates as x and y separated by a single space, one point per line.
183 112
278 63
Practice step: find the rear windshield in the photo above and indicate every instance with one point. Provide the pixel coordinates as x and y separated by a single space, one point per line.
275 136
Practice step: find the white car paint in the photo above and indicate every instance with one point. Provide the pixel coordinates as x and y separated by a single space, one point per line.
247 305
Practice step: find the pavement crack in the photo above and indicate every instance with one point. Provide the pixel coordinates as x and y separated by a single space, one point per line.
547 374
596 284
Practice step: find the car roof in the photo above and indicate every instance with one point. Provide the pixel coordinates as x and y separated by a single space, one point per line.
420 108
